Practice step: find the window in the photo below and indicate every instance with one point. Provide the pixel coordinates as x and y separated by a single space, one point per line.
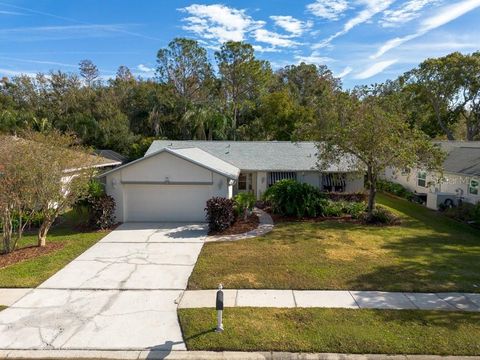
245 182
473 187
422 179
405 171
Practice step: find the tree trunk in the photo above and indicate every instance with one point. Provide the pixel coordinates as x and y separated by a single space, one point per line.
440 122
43 231
234 122
372 191
7 233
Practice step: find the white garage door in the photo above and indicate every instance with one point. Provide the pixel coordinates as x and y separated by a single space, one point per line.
166 202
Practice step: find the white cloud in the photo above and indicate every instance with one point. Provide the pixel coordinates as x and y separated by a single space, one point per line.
375 69
371 8
145 68
344 72
313 58
4 12
442 17
328 9
218 22
40 33
41 62
264 49
406 12
273 38
294 26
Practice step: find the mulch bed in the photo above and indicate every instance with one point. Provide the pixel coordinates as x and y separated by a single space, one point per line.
279 219
240 226
27 253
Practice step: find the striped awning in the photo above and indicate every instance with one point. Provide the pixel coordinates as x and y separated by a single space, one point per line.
334 180
273 177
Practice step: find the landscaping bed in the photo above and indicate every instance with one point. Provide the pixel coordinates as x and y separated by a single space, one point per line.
426 253
240 226
334 331
28 252
32 265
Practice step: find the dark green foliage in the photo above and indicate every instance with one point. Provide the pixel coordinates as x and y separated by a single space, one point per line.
220 213
398 190
464 212
244 203
350 197
381 216
292 198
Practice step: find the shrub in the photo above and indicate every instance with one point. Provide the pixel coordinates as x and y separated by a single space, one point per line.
102 209
465 212
220 213
333 209
356 197
244 203
291 198
381 216
355 209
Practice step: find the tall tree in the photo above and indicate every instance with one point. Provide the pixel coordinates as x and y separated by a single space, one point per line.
243 77
372 134
184 64
89 71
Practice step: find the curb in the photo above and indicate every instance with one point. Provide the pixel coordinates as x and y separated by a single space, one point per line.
204 355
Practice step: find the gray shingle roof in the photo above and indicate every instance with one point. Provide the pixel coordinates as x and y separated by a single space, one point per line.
207 160
463 160
112 155
258 155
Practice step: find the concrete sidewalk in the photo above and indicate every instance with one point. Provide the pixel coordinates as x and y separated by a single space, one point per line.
208 355
333 299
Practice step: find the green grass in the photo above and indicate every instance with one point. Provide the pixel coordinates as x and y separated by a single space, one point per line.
334 330
32 272
2 307
427 252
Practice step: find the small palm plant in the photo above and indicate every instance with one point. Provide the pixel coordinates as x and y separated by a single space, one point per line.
244 203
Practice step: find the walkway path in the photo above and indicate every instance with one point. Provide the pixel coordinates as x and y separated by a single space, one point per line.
265 226
120 294
333 299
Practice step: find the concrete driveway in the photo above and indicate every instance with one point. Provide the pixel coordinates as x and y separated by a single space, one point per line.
119 294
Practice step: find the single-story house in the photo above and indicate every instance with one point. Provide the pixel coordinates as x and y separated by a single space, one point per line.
461 176
174 179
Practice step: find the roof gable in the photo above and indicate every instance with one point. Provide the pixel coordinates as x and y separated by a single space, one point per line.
195 156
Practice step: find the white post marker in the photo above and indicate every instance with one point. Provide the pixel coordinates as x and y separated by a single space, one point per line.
219 307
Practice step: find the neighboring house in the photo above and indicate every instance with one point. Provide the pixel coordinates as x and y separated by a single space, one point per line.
174 179
112 155
461 176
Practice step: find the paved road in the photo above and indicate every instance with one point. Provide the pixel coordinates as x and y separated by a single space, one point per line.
119 294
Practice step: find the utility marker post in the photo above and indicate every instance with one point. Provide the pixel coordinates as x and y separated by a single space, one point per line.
219 307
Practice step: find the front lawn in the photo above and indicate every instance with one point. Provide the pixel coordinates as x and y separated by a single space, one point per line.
427 252
334 331
34 271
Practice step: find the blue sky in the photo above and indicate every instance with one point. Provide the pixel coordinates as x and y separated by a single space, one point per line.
361 41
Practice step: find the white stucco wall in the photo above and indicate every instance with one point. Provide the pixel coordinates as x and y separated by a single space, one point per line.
355 183
157 169
310 177
261 185
449 184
